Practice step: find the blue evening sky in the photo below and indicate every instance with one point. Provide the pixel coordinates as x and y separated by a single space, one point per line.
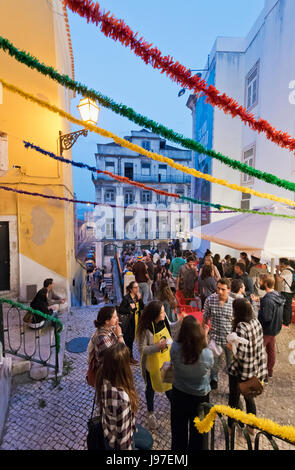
185 30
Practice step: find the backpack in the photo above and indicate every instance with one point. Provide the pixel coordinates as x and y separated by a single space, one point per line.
292 287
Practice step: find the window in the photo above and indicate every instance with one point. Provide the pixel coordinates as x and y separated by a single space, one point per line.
109 195
146 169
248 159
245 202
252 87
109 226
162 198
129 197
162 173
146 144
3 152
146 196
128 170
110 166
180 191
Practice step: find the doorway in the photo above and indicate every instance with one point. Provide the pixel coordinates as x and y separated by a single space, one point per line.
4 257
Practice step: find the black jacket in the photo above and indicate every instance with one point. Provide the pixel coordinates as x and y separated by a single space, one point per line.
271 313
125 306
40 302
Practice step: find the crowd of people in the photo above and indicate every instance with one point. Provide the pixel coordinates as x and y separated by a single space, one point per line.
244 308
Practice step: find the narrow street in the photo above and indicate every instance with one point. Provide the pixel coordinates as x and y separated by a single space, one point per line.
43 416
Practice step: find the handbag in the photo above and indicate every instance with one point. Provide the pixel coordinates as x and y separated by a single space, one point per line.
28 318
167 372
95 436
92 371
251 388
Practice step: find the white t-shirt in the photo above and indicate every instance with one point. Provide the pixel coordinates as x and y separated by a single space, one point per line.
288 277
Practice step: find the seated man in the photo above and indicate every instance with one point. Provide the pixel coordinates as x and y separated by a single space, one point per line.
40 302
53 299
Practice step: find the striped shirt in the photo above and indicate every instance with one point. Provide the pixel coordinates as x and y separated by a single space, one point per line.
250 359
220 317
117 418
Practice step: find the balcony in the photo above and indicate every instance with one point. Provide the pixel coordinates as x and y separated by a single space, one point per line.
177 178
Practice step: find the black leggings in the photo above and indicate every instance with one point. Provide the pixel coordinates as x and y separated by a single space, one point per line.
150 393
234 395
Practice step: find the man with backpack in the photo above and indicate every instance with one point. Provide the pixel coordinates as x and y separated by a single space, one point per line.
286 276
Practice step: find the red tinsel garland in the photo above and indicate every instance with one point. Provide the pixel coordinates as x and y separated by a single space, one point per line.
118 30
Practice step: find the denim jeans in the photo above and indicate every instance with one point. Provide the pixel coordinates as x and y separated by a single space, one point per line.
144 289
217 363
184 409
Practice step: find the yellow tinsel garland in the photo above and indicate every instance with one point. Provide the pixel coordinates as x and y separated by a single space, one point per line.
136 148
264 424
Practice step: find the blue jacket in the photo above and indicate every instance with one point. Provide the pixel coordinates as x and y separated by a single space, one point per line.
193 379
271 313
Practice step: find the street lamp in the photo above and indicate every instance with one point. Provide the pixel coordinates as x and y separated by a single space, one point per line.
88 110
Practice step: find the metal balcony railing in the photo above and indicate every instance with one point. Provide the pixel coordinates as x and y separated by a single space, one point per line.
154 178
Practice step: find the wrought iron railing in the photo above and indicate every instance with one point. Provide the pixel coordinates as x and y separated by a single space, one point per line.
39 345
238 437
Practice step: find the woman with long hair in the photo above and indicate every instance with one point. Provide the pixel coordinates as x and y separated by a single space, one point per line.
165 295
118 402
108 332
130 310
154 341
218 264
208 260
207 285
192 361
249 359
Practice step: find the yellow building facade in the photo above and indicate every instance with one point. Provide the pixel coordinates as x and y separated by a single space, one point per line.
36 234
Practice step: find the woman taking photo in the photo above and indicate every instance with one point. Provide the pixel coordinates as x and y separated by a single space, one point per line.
108 333
130 310
207 284
154 341
249 358
165 295
192 361
118 402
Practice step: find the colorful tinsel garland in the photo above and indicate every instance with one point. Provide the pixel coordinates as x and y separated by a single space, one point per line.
117 29
123 110
284 432
126 180
136 148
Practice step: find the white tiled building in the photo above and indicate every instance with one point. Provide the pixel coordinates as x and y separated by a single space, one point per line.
257 71
139 227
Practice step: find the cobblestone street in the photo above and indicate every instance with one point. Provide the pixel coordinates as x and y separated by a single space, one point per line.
43 416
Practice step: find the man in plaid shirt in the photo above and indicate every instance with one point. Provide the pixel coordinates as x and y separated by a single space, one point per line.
219 310
118 421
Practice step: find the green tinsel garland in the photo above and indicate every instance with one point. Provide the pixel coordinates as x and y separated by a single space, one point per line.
235 209
129 113
37 312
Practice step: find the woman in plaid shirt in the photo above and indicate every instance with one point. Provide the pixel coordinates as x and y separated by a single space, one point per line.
118 402
250 359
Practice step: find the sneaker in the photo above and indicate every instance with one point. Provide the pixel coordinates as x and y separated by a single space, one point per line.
266 381
133 362
214 385
286 326
152 421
